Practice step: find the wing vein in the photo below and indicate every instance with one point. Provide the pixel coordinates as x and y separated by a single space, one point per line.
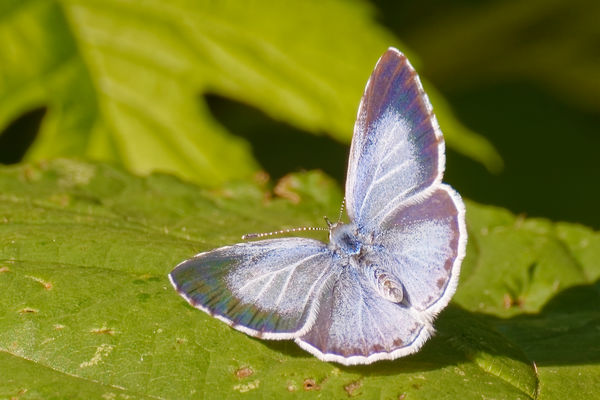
373 184
289 278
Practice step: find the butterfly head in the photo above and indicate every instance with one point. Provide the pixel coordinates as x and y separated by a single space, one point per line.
344 239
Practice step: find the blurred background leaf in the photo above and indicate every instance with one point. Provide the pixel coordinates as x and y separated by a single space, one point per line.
126 81
214 91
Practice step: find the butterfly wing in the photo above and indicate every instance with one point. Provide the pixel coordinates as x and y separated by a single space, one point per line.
397 149
422 245
265 288
355 325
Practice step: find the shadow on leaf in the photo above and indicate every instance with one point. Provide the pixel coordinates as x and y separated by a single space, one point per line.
564 332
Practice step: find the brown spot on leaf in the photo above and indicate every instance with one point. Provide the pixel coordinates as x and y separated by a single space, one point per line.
4 269
352 388
285 189
310 384
28 310
103 331
243 372
261 178
507 301
402 396
20 393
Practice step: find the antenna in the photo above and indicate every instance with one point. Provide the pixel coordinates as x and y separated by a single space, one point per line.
282 232
300 229
342 210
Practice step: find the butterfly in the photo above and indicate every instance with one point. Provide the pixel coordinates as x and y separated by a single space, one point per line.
373 291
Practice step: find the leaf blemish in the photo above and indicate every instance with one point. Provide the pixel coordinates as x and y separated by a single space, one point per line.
261 178
47 340
285 189
352 388
244 372
247 387
46 285
291 387
102 351
20 393
310 384
103 330
4 269
508 301
28 310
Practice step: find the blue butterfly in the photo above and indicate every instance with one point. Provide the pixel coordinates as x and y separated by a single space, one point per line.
373 291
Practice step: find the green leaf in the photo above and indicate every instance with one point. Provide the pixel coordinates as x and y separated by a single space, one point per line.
87 310
124 81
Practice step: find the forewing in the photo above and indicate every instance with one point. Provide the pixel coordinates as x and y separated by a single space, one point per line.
397 149
423 245
355 325
265 288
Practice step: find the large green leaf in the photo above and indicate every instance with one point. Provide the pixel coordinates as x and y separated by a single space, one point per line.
87 310
123 80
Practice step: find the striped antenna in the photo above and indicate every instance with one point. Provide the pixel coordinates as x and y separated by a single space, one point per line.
300 229
282 232
342 210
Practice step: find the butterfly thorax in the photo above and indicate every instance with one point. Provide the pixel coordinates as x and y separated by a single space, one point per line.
344 239
347 242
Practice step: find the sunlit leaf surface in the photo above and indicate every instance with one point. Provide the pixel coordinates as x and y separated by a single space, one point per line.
87 310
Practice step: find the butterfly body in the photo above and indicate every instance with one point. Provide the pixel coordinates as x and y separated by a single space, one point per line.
373 291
